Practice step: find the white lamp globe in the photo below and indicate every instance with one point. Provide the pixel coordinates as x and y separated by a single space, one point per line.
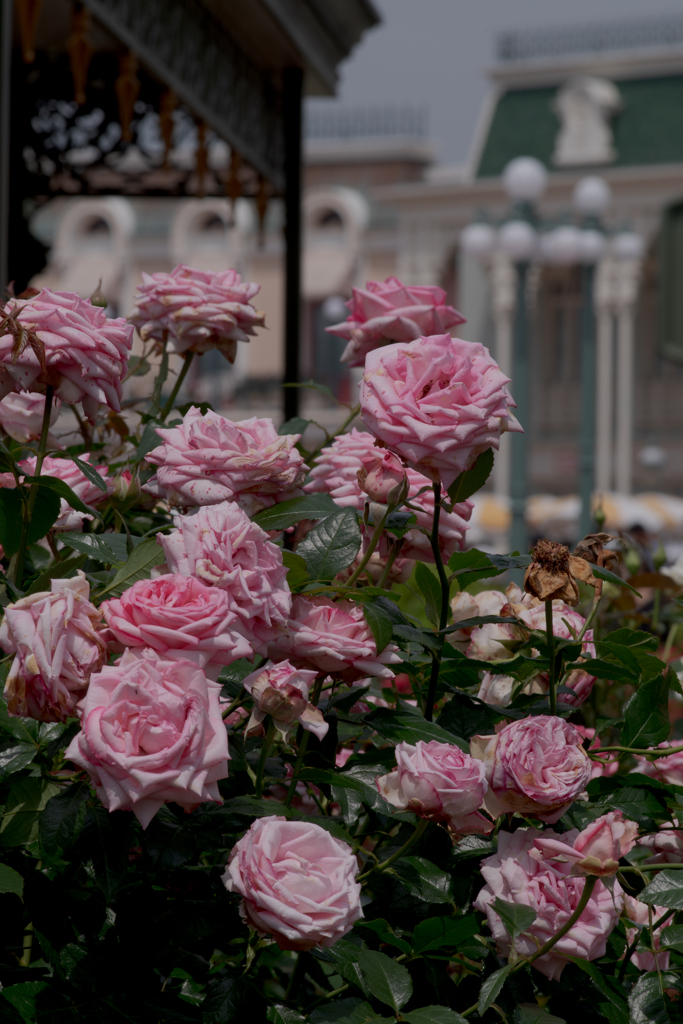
525 178
562 245
334 309
478 240
592 245
627 245
592 196
518 239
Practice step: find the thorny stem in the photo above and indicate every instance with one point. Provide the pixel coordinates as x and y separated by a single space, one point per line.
315 697
28 506
393 554
189 356
634 945
374 541
85 430
443 618
419 829
552 670
265 748
236 703
296 976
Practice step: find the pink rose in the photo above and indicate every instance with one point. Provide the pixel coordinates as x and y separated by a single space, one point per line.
297 883
281 691
208 459
438 402
333 636
666 769
21 416
221 546
490 641
497 689
639 914
386 311
179 617
519 873
197 310
597 849
666 847
57 646
336 472
384 480
438 781
70 344
606 764
68 471
152 731
535 766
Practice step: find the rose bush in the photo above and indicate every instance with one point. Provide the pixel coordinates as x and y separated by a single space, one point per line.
356 863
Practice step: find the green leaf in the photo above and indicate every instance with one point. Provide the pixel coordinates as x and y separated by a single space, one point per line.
63 490
383 931
297 572
287 513
665 890
27 799
470 566
380 622
296 425
472 480
611 577
606 984
606 670
430 588
646 716
417 636
672 937
11 507
149 440
58 571
515 916
424 879
462 716
440 932
434 1015
11 881
23 997
404 726
345 957
283 1015
63 817
532 1013
332 545
103 547
647 1002
90 472
632 638
45 513
139 566
13 759
490 988
387 981
347 1011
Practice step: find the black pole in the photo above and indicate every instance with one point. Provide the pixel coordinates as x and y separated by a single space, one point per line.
5 81
293 89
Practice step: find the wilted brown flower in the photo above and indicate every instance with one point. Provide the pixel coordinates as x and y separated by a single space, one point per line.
553 574
592 549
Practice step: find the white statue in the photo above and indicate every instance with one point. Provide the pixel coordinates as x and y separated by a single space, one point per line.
585 106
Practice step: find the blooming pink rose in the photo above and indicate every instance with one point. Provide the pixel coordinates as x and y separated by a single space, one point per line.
639 914
297 883
438 781
281 691
70 344
208 459
333 636
438 402
152 731
179 617
498 689
336 472
666 769
487 642
666 847
518 873
386 311
597 849
197 310
384 480
57 646
68 471
221 546
21 416
535 766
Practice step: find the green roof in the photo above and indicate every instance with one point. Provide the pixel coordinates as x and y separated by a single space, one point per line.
648 130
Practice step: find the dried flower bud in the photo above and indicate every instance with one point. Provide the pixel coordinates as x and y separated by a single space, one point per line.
553 574
592 549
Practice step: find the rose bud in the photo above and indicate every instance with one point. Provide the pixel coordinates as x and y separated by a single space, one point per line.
384 480
438 781
281 691
597 849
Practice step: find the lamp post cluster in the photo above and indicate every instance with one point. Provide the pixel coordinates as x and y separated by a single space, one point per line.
525 239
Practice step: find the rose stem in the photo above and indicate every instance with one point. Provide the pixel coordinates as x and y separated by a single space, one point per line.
374 541
28 506
395 548
315 697
296 976
671 635
342 430
419 829
189 356
552 674
28 945
265 748
443 618
634 945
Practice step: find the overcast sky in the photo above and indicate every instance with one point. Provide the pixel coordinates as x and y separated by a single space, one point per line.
434 53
